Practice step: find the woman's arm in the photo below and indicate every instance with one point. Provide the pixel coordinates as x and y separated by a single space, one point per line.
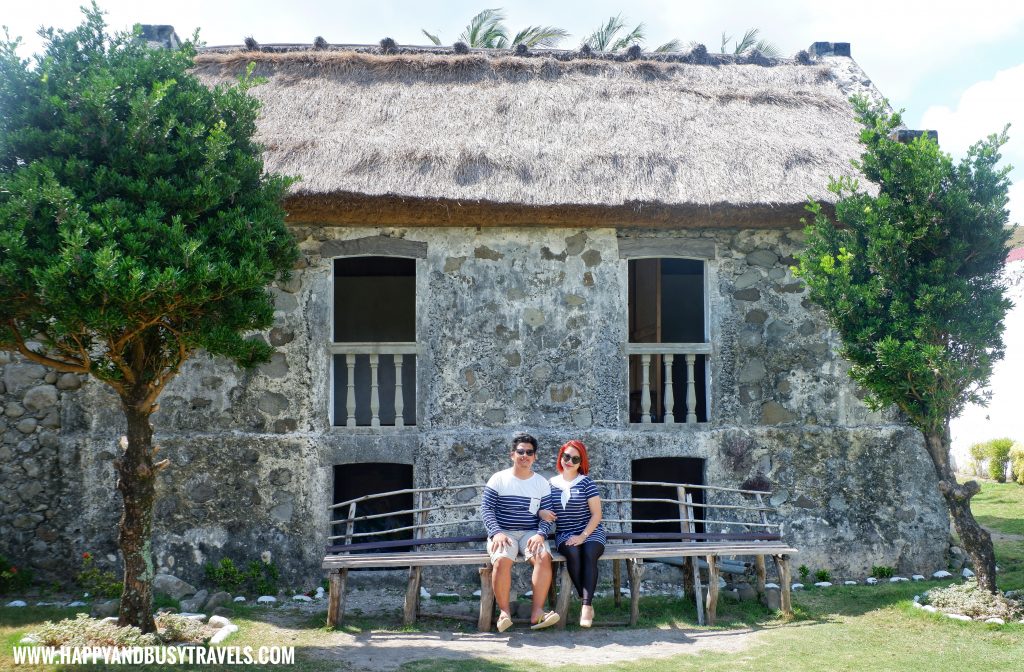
594 503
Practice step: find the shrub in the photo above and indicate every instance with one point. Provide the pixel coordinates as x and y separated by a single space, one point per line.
97 582
882 572
823 575
804 571
979 451
998 457
83 631
967 599
1017 463
259 577
13 579
225 575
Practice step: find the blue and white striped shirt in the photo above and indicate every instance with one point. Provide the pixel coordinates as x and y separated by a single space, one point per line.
506 503
574 514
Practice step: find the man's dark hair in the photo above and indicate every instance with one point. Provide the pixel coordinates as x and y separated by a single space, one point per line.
523 437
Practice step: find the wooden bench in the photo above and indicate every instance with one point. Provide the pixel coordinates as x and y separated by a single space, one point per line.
433 508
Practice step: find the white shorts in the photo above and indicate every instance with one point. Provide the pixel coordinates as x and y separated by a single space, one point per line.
516 549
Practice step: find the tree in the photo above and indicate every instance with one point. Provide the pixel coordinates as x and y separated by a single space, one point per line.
606 37
137 227
749 44
910 279
487 30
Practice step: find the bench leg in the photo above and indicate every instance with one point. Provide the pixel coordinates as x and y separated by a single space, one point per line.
761 575
617 581
564 595
412 596
698 590
785 578
712 589
636 571
336 601
486 600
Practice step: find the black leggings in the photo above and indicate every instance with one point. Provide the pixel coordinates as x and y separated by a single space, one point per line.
581 561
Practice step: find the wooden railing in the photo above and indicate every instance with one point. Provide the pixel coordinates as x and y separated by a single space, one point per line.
374 352
669 355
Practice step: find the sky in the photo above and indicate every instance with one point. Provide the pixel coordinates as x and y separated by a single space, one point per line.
953 67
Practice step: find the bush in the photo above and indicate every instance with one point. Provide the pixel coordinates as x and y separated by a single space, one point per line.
822 575
882 572
998 456
13 579
967 599
979 451
804 571
97 582
1017 463
259 577
83 631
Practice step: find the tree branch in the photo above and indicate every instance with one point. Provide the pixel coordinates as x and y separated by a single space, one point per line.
73 366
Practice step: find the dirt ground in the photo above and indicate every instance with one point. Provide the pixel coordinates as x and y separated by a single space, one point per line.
389 650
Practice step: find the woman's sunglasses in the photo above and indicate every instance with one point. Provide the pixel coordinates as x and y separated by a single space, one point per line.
575 459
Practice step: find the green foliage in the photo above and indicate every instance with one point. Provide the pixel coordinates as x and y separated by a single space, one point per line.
910 277
137 225
13 579
258 577
978 453
83 631
822 575
97 582
487 30
749 44
804 571
882 571
998 452
1017 463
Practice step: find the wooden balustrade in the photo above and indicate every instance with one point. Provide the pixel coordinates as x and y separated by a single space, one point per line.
647 352
373 354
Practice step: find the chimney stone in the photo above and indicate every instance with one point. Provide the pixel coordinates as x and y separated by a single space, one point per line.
160 36
819 49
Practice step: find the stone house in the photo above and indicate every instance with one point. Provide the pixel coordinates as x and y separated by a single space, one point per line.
576 245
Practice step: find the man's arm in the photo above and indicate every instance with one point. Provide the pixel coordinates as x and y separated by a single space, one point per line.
548 503
488 510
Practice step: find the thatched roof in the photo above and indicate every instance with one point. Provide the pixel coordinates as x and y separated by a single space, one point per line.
478 139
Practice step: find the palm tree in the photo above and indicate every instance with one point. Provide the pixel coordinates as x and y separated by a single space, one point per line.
750 44
606 37
487 30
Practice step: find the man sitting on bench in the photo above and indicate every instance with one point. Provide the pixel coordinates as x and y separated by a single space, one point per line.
511 501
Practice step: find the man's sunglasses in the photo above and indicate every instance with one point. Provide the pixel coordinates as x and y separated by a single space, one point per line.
530 453
575 459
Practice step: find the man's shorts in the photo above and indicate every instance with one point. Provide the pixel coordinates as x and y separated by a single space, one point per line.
516 549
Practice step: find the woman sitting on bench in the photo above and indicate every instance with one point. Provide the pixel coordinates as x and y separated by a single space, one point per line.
581 537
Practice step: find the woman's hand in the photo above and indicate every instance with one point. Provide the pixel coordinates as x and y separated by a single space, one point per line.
547 516
575 540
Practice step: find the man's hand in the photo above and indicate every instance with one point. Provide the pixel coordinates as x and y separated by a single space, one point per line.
500 541
547 516
535 544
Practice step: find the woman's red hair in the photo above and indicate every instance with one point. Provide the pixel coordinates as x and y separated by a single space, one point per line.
578 445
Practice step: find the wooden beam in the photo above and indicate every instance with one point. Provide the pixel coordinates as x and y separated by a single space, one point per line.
336 598
785 599
483 623
412 596
636 572
712 605
564 596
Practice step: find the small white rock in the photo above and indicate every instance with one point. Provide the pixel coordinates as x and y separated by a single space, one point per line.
871 580
302 598
930 608
624 591
528 593
240 598
222 634
966 573
29 639
917 605
47 604
219 621
77 603
797 586
823 584
772 585
447 595
17 603
917 598
109 619
476 593
898 579
193 616
995 620
941 574
959 617
918 577
424 593
849 583
319 592
266 599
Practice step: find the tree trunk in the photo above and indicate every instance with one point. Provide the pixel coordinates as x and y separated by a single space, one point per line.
976 541
136 481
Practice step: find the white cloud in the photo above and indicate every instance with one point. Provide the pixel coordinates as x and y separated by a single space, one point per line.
985 108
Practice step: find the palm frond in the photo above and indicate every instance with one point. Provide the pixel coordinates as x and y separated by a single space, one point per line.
540 36
725 41
747 43
767 49
433 38
636 36
485 30
671 45
601 38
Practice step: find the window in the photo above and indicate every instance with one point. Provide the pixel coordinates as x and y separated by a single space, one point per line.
667 341
374 343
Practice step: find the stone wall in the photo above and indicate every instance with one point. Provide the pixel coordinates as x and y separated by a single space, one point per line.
518 329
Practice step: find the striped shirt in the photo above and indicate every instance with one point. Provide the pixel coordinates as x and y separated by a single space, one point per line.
507 502
574 514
